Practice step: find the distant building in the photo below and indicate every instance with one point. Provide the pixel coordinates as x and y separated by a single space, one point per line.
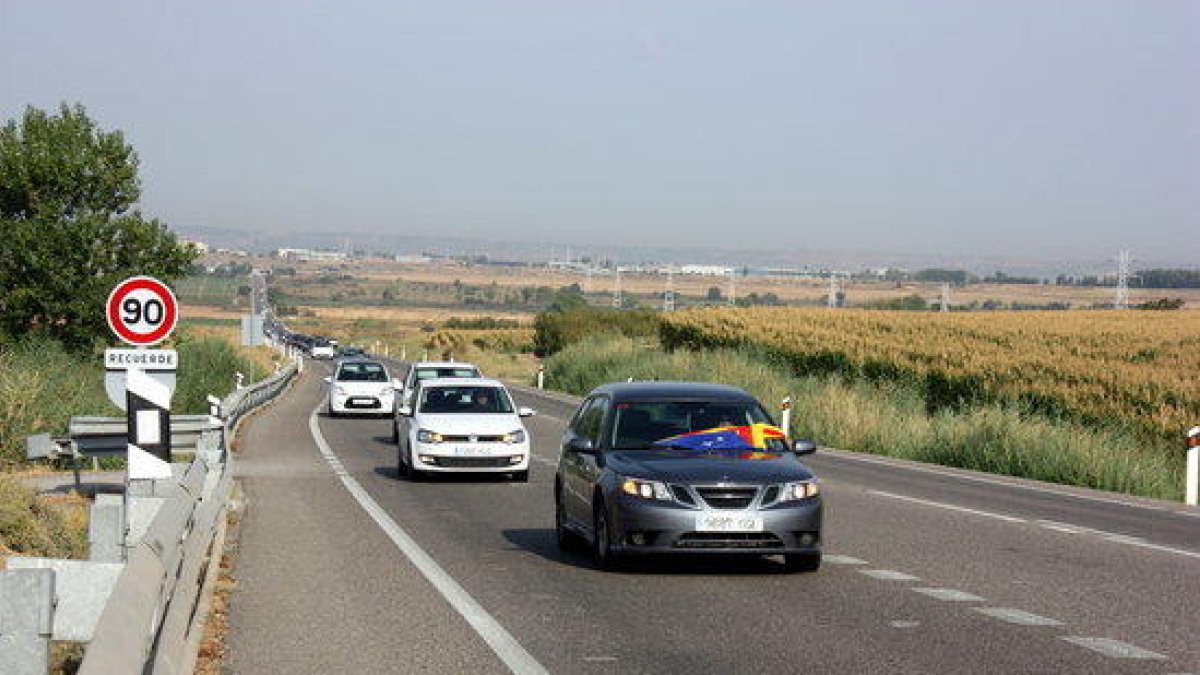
706 270
310 255
199 246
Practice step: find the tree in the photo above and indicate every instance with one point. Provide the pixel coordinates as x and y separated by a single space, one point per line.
68 227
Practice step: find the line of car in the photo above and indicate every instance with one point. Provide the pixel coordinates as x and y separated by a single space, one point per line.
622 487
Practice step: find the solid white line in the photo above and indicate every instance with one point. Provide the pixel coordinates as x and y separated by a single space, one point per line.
1017 616
889 575
1116 538
1114 648
951 507
500 640
940 471
843 560
949 594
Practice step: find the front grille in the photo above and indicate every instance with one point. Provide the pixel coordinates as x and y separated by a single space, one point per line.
472 439
728 540
472 462
728 497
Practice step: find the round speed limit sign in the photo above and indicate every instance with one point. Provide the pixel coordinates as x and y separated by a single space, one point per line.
142 311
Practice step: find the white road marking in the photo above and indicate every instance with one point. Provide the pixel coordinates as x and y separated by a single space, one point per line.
889 575
1115 537
904 624
877 459
500 640
949 594
951 507
843 560
599 658
1017 616
1114 648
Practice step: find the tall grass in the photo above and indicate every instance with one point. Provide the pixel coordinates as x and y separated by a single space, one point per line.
891 419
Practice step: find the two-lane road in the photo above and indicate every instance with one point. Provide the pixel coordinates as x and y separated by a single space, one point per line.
344 566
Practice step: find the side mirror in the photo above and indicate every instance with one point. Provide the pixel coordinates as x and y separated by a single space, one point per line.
583 446
327 379
405 411
526 412
804 447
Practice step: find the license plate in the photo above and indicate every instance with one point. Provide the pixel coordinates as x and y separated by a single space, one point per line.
471 452
728 522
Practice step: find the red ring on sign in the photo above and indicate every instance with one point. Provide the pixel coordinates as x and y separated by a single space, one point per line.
156 287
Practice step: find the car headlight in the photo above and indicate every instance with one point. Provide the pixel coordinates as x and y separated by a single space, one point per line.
646 489
427 436
800 490
517 436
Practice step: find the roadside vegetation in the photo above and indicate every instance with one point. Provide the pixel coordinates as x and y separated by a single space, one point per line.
844 408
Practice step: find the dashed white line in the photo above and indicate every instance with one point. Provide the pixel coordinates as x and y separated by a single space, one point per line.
949 594
1113 648
904 624
843 560
951 507
500 640
889 575
1017 616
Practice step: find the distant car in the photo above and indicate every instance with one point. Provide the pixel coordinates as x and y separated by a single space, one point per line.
321 349
428 370
351 352
462 425
361 387
680 468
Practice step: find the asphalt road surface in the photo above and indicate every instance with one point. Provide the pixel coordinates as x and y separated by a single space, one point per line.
345 567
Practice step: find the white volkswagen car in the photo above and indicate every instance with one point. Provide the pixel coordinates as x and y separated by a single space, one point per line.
428 370
460 425
359 387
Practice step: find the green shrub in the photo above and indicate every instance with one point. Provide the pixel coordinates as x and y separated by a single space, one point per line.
554 331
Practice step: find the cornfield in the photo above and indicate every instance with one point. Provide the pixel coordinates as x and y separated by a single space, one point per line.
1133 369
509 340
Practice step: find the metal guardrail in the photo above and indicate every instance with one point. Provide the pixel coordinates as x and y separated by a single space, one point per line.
135 600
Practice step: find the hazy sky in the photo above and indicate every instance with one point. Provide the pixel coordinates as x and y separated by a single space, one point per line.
1012 127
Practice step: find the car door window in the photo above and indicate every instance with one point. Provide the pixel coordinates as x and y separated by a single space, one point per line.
590 420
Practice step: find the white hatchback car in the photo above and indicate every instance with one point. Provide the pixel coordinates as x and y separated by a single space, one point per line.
359 387
459 425
428 370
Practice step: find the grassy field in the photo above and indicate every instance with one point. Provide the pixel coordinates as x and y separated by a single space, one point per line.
1131 370
891 418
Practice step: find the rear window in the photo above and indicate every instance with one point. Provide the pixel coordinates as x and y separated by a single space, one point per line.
362 372
433 373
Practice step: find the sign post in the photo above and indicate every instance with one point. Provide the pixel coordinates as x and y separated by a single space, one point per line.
142 311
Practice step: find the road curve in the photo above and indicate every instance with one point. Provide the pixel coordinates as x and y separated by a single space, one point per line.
928 570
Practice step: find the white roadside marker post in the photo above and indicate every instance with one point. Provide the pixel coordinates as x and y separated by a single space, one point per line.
1192 491
785 417
541 376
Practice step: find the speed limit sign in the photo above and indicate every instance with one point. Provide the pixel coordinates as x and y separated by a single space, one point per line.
142 311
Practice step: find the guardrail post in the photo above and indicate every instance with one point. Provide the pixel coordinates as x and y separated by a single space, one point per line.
785 417
26 620
1192 489
541 376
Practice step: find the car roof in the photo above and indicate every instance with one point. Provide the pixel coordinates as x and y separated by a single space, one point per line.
444 364
672 391
463 382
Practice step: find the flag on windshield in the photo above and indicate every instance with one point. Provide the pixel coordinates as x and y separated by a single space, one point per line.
750 437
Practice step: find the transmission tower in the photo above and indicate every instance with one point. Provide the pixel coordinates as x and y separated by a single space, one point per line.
616 299
587 279
732 299
834 289
944 301
1124 260
669 293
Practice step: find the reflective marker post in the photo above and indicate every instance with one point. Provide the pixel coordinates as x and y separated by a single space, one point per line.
1192 491
785 417
541 376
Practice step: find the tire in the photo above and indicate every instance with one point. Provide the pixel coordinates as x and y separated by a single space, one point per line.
602 553
395 433
802 562
402 468
564 537
520 476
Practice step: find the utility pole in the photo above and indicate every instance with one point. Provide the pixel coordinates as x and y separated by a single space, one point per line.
945 299
732 287
616 299
834 289
1124 260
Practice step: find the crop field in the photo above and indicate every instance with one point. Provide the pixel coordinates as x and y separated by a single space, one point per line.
1134 369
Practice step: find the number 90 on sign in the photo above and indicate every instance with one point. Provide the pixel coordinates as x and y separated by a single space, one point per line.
142 311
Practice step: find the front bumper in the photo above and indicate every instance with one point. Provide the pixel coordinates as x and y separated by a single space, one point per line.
647 526
475 458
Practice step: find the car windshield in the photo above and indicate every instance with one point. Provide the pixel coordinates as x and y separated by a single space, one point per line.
362 372
465 399
639 424
434 373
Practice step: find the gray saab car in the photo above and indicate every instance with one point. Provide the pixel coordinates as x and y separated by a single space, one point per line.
684 468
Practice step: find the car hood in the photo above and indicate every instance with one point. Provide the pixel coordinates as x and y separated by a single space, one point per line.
469 424
693 466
